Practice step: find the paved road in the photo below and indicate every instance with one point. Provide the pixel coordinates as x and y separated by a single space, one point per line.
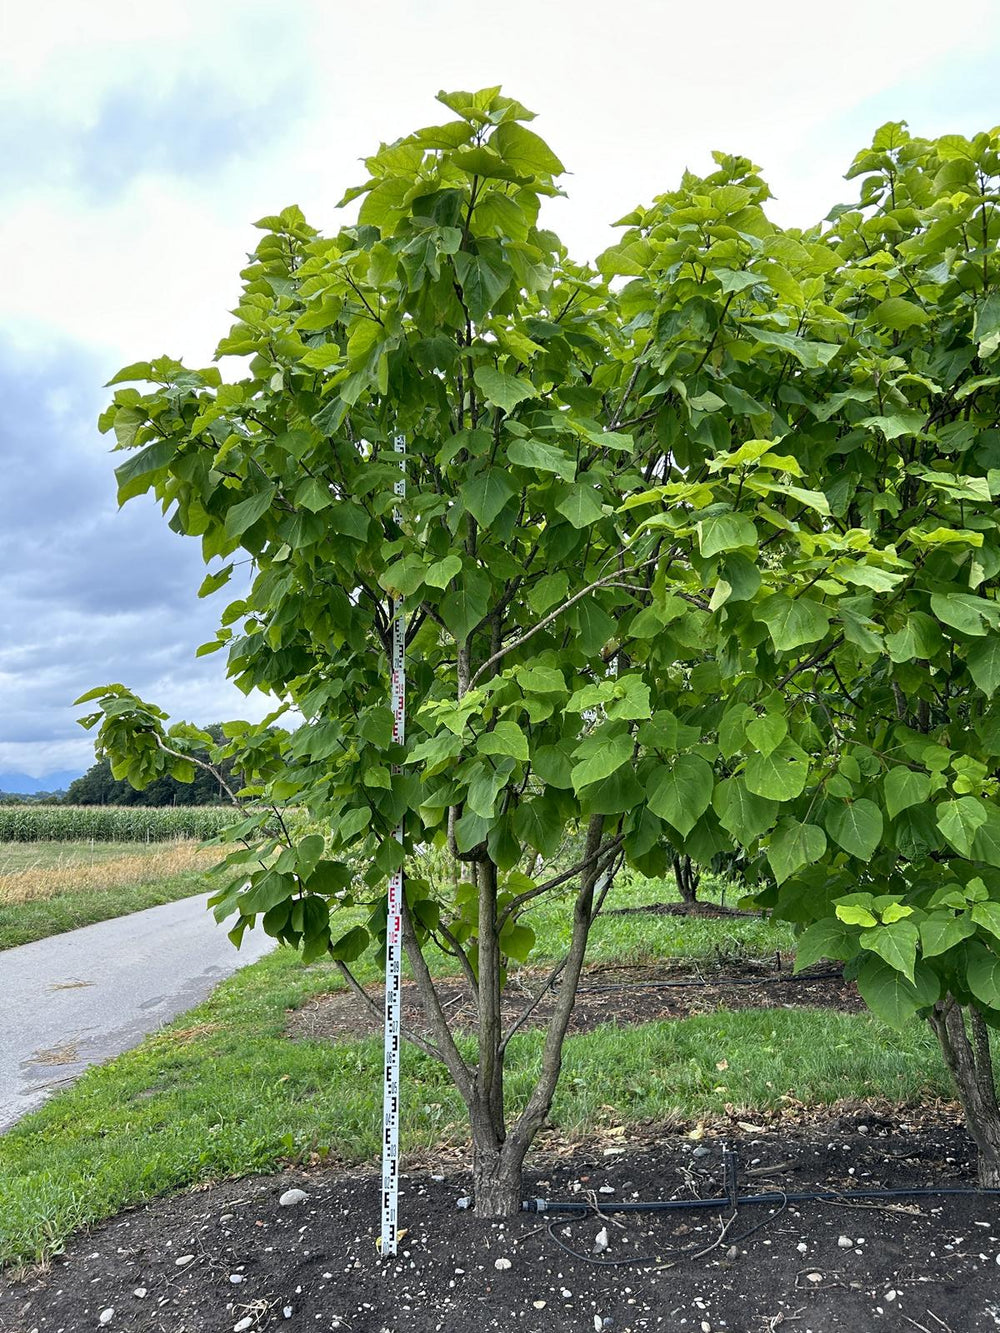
78 999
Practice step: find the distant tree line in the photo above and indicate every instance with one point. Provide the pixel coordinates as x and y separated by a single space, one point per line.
99 786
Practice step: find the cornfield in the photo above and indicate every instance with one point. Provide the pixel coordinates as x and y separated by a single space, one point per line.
111 823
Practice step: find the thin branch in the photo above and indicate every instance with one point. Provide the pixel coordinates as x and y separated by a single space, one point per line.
600 856
554 615
460 1073
372 1005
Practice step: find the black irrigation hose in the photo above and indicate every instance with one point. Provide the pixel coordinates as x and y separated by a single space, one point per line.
732 1202
802 1196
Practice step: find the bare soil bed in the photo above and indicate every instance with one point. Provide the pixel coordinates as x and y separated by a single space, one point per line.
230 1256
621 995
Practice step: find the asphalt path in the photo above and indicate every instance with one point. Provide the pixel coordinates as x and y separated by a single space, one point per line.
77 999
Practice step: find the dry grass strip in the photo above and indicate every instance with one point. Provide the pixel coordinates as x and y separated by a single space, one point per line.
117 872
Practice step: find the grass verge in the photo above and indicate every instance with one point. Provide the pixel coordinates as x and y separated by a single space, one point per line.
49 888
222 1092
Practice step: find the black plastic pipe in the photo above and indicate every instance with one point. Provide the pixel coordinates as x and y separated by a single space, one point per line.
801 1196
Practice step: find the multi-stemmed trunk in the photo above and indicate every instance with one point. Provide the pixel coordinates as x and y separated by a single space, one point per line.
970 1064
499 1150
688 878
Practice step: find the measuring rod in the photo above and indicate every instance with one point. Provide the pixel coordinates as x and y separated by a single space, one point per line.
394 923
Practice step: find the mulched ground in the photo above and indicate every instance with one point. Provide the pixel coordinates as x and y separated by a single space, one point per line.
231 1257
620 995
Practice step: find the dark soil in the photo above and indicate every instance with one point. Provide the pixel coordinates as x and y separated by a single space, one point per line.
619 995
680 909
927 1263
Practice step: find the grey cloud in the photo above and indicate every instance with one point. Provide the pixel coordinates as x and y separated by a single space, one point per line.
88 594
194 129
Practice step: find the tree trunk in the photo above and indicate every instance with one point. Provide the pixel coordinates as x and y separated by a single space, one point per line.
971 1067
688 878
496 1168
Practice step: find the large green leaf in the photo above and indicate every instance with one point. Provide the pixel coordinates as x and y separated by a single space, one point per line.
766 733
890 995
792 621
465 606
904 787
984 663
961 612
741 812
505 738
525 151
942 931
898 313
856 826
541 457
681 792
986 840
896 943
725 532
482 286
599 756
959 821
780 775
581 504
504 390
486 494
245 514
828 938
793 845
983 973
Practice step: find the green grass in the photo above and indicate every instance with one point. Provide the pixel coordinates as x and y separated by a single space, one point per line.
47 888
18 857
23 923
222 1092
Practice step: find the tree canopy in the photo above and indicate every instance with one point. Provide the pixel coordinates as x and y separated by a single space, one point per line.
700 551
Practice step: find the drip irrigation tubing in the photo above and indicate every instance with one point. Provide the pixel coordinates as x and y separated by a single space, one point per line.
730 1202
573 1207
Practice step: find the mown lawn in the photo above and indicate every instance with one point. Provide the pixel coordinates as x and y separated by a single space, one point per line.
222 1092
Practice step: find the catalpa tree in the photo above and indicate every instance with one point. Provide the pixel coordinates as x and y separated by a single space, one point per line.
698 553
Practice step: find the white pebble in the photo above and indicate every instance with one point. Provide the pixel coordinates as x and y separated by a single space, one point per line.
140 1292
291 1197
802 1247
501 1263
601 1242
890 1295
236 1279
814 1277
539 1305
845 1242
287 1312
107 1315
243 1325
565 1293
184 1259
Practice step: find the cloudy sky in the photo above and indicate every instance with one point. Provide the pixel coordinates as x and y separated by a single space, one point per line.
138 142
